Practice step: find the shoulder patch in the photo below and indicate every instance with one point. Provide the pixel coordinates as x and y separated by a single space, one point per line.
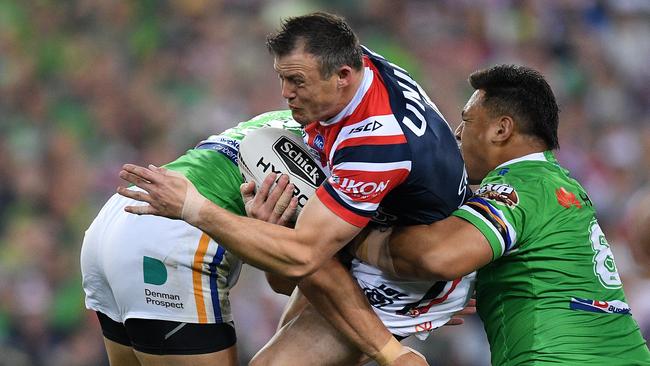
501 193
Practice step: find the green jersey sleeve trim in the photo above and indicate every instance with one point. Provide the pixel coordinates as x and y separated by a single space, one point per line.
496 243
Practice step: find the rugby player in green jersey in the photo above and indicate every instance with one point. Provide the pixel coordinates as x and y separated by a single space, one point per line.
548 290
160 287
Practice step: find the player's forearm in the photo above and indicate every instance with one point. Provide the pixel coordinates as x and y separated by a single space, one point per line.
335 294
391 250
272 248
420 259
444 250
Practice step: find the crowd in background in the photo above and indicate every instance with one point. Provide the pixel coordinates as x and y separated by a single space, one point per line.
87 85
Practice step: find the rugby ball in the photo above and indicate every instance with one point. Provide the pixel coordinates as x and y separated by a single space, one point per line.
274 150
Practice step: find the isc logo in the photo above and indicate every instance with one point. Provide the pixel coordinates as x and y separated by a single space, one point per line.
368 127
365 188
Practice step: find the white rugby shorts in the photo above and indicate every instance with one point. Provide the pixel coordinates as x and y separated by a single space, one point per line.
412 307
152 267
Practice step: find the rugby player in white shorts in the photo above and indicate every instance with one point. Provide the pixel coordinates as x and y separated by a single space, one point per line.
392 158
160 286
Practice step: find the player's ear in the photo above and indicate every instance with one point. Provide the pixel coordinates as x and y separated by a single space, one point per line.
503 129
344 76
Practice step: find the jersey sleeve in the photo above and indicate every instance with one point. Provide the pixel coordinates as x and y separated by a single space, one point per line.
364 171
497 211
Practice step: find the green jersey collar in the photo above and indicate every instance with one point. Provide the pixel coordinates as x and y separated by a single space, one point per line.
538 156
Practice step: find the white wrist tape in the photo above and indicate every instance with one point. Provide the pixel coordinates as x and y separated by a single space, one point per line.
192 204
389 353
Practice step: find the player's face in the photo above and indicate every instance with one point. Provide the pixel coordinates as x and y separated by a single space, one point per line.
473 135
309 96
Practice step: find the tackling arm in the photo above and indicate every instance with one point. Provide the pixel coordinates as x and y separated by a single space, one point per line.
444 250
318 234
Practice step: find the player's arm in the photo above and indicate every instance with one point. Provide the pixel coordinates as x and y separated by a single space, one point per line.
280 284
317 236
444 250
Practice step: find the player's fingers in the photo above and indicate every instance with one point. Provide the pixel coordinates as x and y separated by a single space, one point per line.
136 195
142 172
135 180
247 191
274 199
455 321
289 212
284 200
263 193
469 309
278 200
141 210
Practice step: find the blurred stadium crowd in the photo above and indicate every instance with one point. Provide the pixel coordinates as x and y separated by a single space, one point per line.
87 85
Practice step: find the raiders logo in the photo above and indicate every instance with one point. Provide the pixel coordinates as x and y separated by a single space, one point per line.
501 193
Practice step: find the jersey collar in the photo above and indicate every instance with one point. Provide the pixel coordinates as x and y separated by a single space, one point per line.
354 103
538 156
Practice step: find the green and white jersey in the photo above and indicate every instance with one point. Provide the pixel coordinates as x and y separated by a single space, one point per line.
212 165
150 267
552 293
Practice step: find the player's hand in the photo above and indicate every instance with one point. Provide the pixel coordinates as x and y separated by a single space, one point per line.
410 358
371 246
277 206
168 193
469 309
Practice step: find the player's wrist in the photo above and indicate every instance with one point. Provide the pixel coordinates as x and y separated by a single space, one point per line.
192 205
389 352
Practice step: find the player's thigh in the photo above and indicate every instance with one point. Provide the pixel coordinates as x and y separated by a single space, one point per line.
226 357
308 339
117 342
119 354
162 342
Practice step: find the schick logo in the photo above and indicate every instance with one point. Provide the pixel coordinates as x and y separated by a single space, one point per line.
299 161
370 126
154 271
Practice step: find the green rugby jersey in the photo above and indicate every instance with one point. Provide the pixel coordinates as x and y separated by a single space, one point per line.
212 165
552 293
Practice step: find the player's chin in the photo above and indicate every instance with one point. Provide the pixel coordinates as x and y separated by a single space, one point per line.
300 116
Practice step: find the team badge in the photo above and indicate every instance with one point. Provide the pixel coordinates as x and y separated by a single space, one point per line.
319 142
501 193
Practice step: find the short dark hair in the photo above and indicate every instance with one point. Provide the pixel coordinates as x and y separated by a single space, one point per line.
522 93
326 36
